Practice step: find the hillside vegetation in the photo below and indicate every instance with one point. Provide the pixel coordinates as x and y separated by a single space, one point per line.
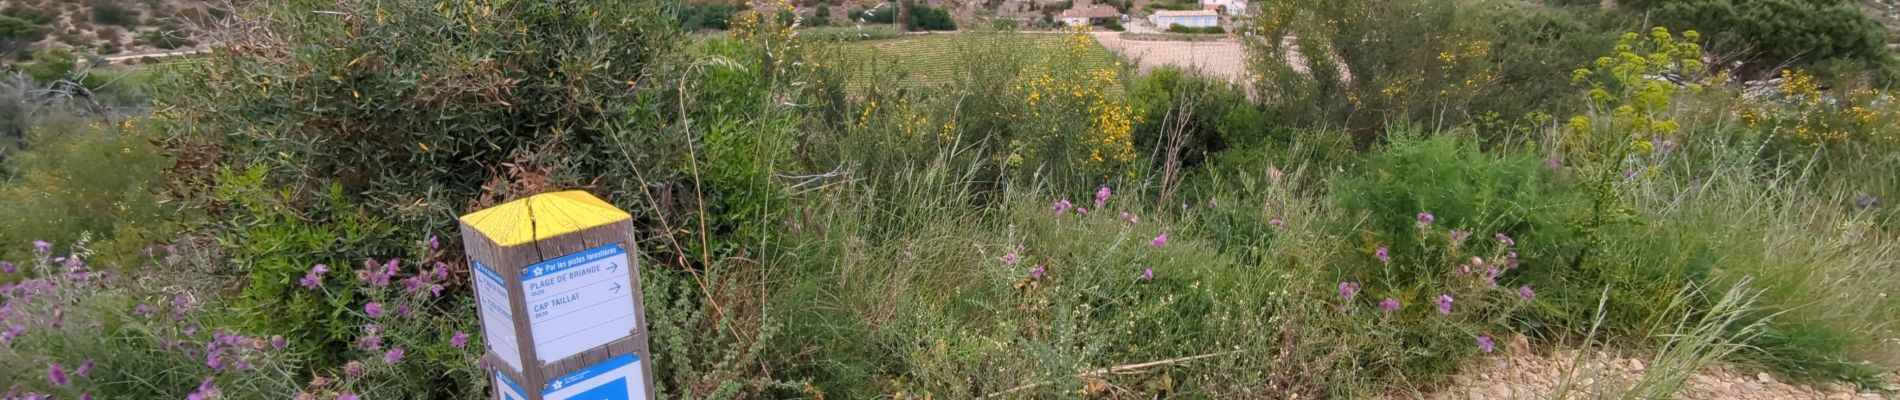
1395 192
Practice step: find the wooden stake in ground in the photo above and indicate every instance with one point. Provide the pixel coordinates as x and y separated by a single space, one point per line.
558 290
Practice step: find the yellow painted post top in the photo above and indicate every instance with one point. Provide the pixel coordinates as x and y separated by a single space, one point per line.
543 215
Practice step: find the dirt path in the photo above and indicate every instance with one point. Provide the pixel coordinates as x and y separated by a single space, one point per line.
1224 58
179 53
1522 374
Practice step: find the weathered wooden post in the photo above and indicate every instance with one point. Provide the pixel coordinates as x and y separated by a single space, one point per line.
559 296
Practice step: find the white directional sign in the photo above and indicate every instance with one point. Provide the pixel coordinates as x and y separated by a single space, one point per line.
506 389
618 378
579 301
498 322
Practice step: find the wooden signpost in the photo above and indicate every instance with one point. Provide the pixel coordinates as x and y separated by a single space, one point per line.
558 288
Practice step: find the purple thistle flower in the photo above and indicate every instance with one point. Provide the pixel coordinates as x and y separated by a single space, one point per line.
56 375
353 369
412 284
1554 163
1444 304
142 310
1101 197
433 243
1458 236
84 369
370 342
1389 305
1485 344
1348 290
1160 240
1491 276
319 269
441 271
1009 259
277 342
347 396
42 246
310 281
8 267
1037 272
373 309
435 290
1526 293
459 340
1147 274
1384 255
1510 260
402 310
393 356
1129 218
214 358
180 301
1426 219
1506 239
1061 206
1867 201
1277 223
1082 211
206 390
13 331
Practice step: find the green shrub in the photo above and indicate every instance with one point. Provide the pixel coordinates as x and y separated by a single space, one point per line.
1772 33
16 34
34 15
1114 24
820 16
112 12
923 17
52 65
167 39
1189 118
421 124
1464 189
1210 30
77 179
697 16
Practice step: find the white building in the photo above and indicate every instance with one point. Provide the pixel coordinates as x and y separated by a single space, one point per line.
1191 19
1229 7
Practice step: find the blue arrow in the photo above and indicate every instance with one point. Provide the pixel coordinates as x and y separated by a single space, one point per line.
616 288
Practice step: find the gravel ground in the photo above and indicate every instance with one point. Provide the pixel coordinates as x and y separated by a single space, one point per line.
1520 374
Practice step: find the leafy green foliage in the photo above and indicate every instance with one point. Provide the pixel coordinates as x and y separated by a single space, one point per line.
112 12
34 15
698 16
1774 32
1212 30
820 16
923 17
78 179
165 37
408 118
16 33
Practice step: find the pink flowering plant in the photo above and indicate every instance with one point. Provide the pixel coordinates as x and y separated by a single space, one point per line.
411 334
70 331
